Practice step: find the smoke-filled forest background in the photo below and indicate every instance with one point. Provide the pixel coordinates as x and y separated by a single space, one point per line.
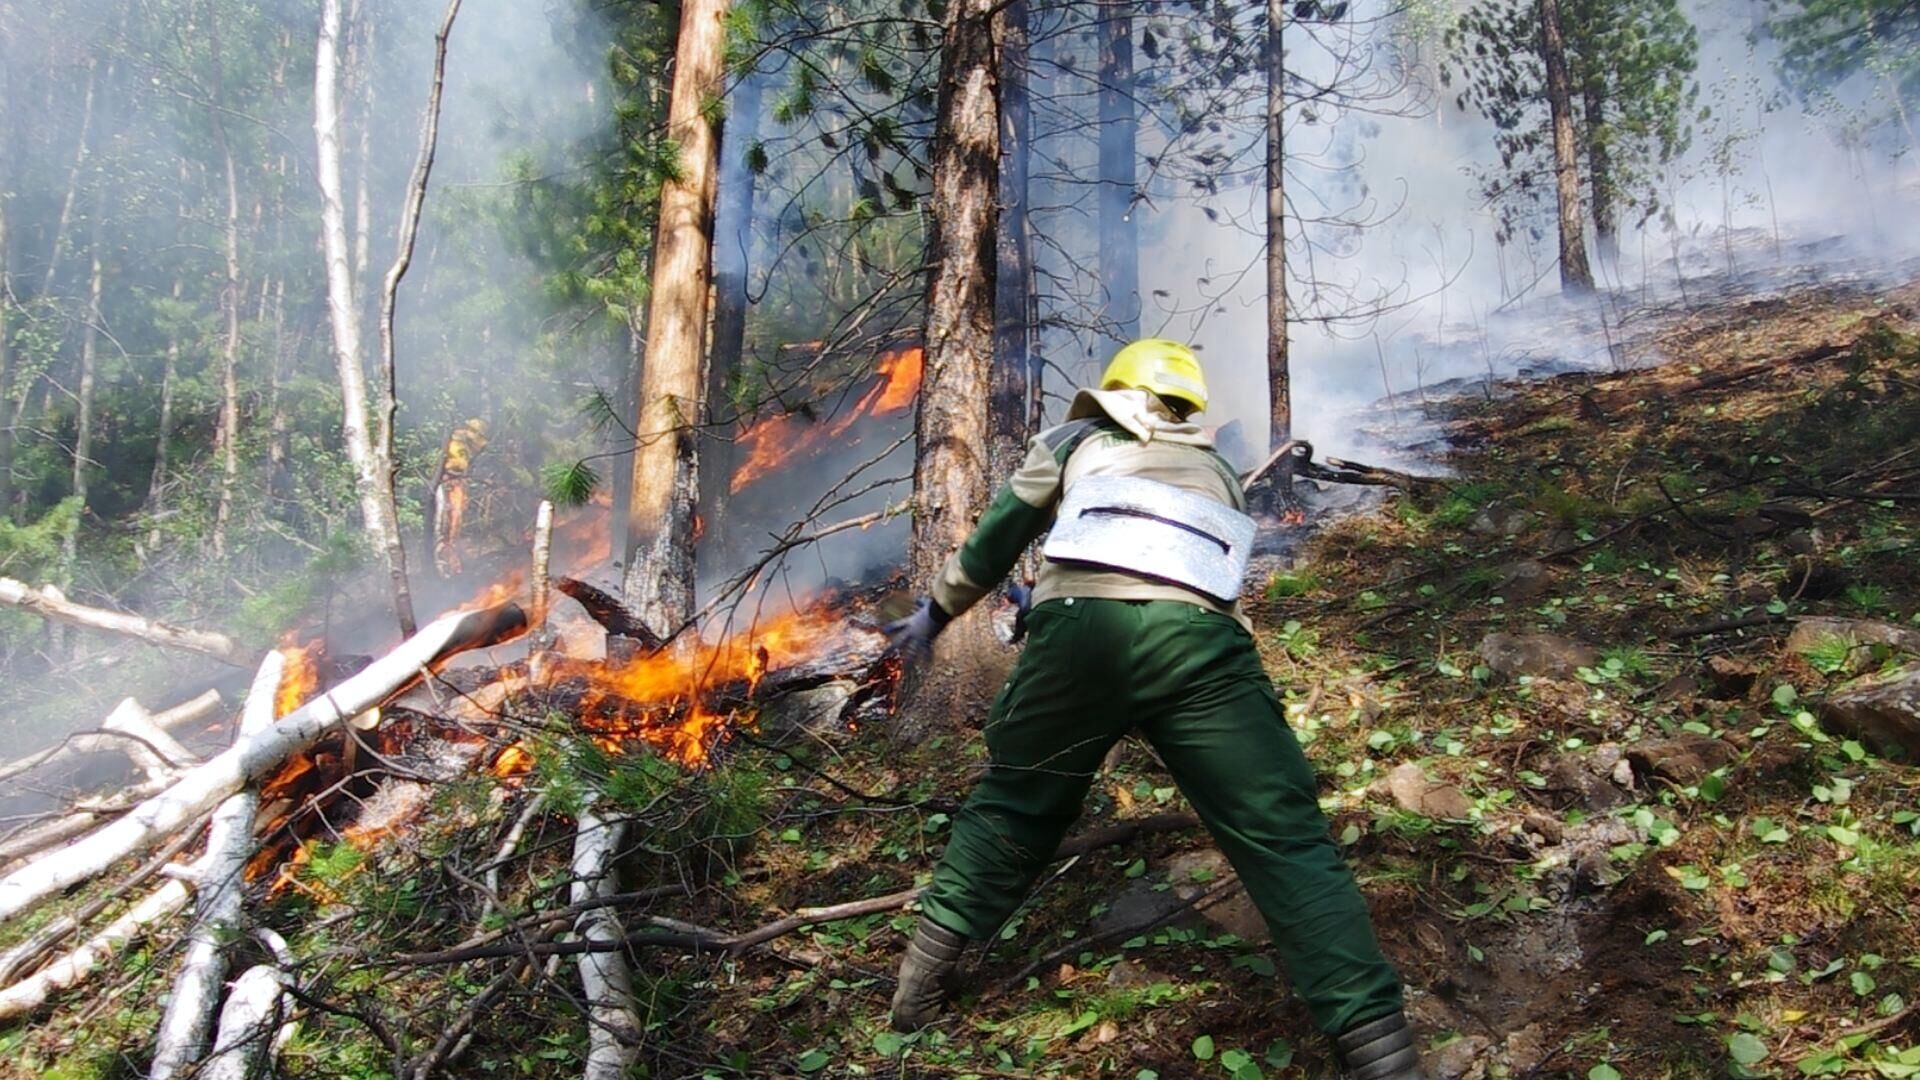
171 435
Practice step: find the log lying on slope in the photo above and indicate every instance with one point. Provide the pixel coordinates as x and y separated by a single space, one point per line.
248 1026
70 970
50 603
219 876
613 1035
129 729
247 760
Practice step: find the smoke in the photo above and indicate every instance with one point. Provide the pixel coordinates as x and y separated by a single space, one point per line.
1422 295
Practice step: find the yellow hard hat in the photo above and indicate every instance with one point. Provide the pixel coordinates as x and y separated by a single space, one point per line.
1165 367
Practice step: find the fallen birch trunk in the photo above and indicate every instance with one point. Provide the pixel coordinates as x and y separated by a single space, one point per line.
248 759
249 1026
49 602
72 969
83 818
220 878
26 955
613 1031
131 730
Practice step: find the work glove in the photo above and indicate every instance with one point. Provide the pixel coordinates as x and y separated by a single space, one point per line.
912 637
1022 597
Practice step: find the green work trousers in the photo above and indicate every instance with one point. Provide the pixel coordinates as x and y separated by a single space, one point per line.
1192 682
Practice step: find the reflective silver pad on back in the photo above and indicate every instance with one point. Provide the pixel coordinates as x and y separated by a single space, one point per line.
1155 530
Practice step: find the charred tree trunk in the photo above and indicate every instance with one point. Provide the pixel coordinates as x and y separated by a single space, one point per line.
1119 130
1576 275
1013 244
374 475
1606 226
732 252
665 495
950 485
1279 383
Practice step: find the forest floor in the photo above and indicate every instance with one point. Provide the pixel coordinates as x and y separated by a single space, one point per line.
1628 850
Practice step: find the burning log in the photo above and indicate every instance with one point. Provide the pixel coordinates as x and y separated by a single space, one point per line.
614 1029
218 874
610 613
49 602
248 759
132 730
73 969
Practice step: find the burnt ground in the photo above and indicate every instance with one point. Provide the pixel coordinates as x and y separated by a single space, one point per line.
1652 859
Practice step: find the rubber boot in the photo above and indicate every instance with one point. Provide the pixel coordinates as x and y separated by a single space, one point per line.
1380 1049
924 974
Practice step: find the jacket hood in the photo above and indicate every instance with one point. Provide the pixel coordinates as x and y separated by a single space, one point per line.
1141 413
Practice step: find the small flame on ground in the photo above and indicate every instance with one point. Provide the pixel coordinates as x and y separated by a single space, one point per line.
514 762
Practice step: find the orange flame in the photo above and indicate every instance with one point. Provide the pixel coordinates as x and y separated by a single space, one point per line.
514 762
778 440
656 699
301 678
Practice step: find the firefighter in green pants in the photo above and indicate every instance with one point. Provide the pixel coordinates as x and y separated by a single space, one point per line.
1135 625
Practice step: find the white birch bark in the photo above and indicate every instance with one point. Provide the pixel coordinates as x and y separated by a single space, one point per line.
613 1035
375 481
220 874
74 968
248 1026
247 760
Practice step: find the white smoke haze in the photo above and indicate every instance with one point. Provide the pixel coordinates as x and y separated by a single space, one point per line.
1398 283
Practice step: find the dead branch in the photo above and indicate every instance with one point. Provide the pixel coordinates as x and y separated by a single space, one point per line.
83 817
143 730
27 953
189 1018
248 759
1199 901
49 602
74 968
705 941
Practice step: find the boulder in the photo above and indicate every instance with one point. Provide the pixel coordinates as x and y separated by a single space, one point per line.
806 713
1684 759
1860 635
1499 520
1194 872
1524 580
1882 711
1415 793
1551 655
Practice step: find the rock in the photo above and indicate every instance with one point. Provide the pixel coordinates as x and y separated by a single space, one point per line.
804 713
1731 678
1497 520
1801 542
1415 793
1523 580
1194 872
1126 974
1462 1059
1584 782
1514 655
1860 635
1882 711
1528 1049
1678 688
1684 760
1547 828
